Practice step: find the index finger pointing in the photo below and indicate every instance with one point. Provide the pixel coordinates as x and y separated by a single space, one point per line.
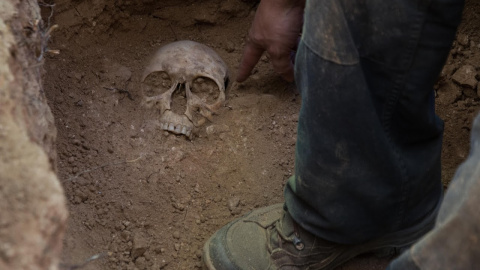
250 57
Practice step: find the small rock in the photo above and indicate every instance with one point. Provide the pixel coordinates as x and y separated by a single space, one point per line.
163 263
230 47
119 227
463 40
176 234
205 16
79 103
83 196
199 253
176 246
125 235
447 70
156 265
141 263
465 76
140 244
264 58
217 129
179 206
471 93
77 75
233 203
448 93
179 156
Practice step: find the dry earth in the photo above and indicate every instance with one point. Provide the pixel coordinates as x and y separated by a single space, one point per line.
147 199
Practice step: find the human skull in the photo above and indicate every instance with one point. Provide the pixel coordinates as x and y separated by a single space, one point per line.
186 81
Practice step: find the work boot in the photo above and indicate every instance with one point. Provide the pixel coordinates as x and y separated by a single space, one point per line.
268 238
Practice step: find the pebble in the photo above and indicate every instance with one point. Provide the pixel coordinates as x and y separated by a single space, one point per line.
141 263
125 235
119 227
447 70
463 40
449 93
163 263
465 76
217 129
230 46
77 75
205 17
233 203
179 206
79 103
140 244
199 253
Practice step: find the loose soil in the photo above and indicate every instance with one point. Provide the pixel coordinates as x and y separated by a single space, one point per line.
143 198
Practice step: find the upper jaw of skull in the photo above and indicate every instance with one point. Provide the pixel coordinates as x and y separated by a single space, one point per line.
177 124
197 80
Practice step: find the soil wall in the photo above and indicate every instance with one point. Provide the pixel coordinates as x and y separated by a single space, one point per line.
32 205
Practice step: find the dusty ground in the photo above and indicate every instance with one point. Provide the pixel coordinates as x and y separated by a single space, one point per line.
152 198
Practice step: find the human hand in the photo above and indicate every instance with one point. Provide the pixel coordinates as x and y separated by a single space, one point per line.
275 29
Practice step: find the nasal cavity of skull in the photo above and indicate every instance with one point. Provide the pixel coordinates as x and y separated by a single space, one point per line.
156 83
206 89
179 100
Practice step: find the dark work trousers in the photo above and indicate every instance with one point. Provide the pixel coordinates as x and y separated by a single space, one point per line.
368 150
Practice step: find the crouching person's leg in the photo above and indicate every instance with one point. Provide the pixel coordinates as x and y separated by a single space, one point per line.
454 242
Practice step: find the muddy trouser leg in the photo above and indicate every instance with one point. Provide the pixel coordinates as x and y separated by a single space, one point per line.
369 142
454 242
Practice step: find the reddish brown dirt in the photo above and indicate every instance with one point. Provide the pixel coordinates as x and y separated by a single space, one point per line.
152 198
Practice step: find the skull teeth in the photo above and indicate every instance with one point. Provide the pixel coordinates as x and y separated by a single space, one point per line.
177 129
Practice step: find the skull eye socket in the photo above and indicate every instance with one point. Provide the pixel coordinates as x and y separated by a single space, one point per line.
206 89
156 83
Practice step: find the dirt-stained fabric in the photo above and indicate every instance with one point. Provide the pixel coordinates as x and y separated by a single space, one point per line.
369 142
